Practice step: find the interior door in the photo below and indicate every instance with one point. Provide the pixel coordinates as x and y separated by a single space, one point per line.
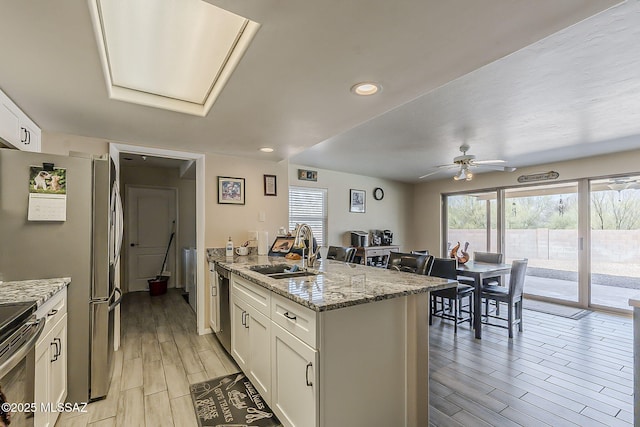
151 214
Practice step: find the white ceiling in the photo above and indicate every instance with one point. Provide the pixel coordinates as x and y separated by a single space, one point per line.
572 94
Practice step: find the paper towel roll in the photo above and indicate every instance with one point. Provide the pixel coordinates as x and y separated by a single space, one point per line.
263 242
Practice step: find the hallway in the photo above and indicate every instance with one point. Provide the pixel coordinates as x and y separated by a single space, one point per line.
161 355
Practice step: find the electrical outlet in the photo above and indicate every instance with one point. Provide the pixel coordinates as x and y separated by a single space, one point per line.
253 235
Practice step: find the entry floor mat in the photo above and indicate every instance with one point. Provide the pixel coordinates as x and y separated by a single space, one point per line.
231 400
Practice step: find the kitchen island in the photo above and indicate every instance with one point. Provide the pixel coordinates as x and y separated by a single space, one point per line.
347 345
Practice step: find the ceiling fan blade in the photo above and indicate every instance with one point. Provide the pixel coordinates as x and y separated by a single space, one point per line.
430 173
495 167
484 162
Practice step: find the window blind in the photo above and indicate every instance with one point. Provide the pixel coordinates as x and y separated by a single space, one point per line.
309 205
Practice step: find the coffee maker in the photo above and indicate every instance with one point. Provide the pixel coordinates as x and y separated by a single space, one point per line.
387 238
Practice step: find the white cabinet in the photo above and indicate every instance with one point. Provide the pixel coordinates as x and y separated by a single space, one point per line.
294 392
50 386
327 368
9 120
239 333
16 128
30 135
251 334
58 363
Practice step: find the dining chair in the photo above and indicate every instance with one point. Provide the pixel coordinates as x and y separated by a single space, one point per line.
446 269
511 295
421 252
491 258
341 253
412 263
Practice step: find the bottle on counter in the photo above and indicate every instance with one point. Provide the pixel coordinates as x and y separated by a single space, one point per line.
229 248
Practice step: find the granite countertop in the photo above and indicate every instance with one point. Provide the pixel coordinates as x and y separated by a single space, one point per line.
31 290
336 285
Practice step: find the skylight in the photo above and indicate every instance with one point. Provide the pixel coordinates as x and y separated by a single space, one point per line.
171 54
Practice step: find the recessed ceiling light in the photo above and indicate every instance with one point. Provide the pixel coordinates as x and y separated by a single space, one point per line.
266 150
366 88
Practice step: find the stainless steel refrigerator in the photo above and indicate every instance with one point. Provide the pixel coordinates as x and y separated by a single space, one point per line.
84 247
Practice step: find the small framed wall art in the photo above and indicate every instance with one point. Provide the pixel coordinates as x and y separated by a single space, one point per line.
357 201
270 185
307 175
230 190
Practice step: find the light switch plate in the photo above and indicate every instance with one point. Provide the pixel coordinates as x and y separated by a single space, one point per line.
262 216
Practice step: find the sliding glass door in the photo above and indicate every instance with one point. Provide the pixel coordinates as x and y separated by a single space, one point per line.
615 241
472 218
541 224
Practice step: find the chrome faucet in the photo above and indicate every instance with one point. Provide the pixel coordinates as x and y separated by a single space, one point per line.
304 232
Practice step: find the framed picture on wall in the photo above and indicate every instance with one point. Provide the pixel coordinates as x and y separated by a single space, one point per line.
357 201
307 175
270 187
230 190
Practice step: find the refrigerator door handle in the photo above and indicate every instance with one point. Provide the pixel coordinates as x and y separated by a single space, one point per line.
118 221
118 300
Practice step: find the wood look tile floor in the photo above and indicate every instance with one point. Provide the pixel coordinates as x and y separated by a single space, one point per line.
161 354
558 372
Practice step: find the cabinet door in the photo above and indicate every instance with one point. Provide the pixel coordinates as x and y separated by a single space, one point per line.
9 121
294 392
29 136
58 364
259 366
41 386
239 333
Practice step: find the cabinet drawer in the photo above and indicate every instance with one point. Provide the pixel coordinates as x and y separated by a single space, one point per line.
255 295
54 310
377 252
298 320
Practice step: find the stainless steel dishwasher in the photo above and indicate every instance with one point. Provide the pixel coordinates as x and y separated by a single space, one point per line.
224 334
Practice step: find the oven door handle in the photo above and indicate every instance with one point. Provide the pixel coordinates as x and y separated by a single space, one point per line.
22 352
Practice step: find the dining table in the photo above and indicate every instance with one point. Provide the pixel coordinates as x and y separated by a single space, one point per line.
479 271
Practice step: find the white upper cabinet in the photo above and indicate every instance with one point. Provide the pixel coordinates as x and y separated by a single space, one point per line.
16 129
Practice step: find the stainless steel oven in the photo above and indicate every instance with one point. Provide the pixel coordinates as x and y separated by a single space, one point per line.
19 331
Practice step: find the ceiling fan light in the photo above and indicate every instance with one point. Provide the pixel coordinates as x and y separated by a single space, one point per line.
469 176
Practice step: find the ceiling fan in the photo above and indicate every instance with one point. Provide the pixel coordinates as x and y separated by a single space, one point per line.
464 164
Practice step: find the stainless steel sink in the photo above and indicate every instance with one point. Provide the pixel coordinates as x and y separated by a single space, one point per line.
280 271
291 274
271 269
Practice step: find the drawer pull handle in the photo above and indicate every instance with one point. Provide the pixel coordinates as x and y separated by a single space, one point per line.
289 316
309 383
53 312
245 318
55 351
59 347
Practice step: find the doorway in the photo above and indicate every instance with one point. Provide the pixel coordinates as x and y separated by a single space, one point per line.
192 165
150 236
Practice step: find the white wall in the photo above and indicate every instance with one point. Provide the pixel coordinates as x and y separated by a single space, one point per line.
235 221
427 214
60 143
393 212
